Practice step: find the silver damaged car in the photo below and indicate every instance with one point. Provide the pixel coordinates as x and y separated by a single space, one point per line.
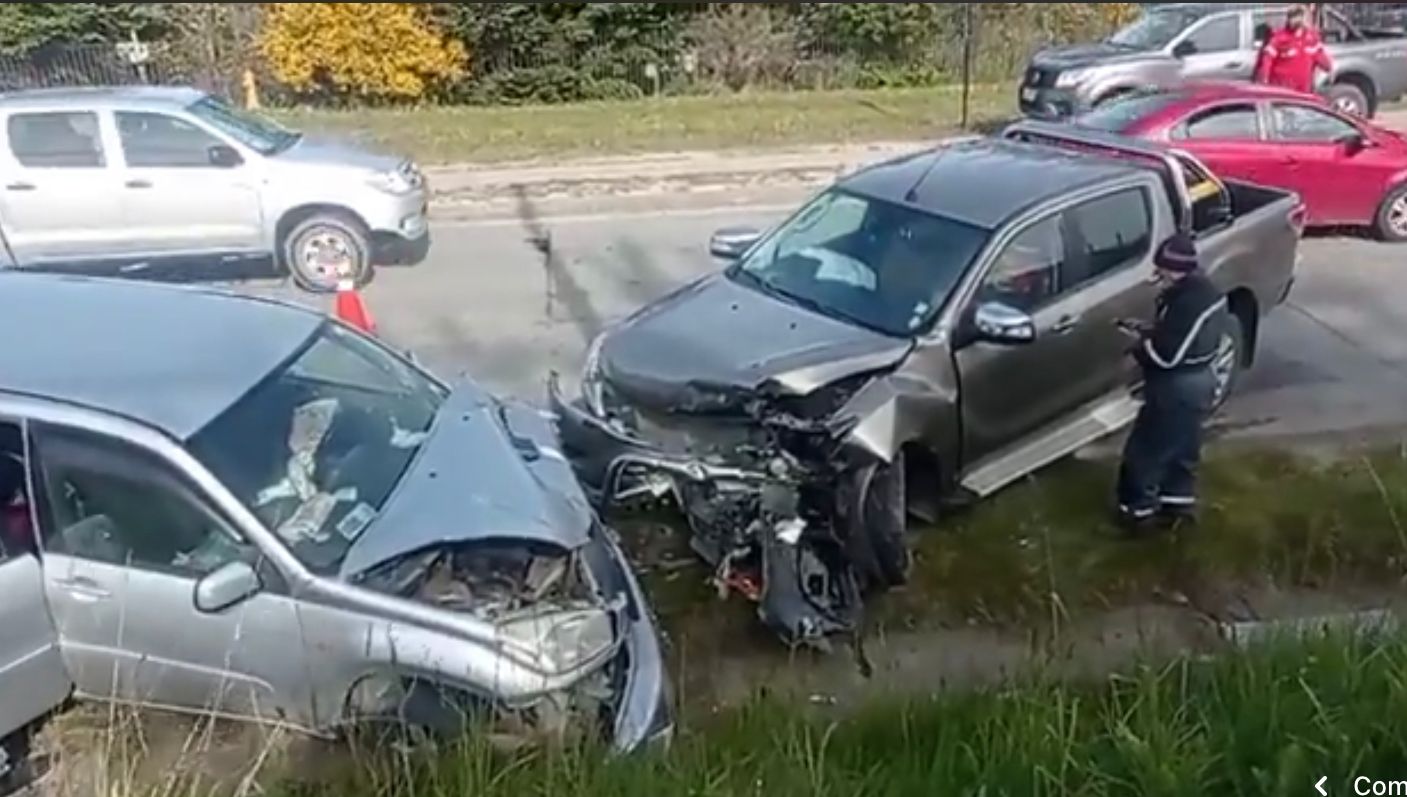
243 509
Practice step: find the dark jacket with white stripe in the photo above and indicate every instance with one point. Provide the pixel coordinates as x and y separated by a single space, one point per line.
1192 315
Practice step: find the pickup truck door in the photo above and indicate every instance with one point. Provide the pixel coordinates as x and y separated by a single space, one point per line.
33 681
1338 185
1075 271
59 193
185 191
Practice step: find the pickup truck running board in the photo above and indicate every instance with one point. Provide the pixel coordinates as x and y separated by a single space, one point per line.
1094 422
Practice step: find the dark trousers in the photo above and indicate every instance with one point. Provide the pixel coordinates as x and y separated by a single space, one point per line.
1159 470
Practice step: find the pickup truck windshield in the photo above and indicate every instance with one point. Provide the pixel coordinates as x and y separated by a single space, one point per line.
264 136
881 265
316 448
1153 31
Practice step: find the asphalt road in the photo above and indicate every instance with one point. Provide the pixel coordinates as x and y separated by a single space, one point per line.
489 303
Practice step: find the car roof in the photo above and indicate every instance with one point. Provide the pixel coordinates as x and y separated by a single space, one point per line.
171 357
1207 9
984 182
93 97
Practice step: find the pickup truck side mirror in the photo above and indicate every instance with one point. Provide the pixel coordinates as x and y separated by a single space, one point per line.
229 586
1003 325
224 157
1352 143
733 242
1184 48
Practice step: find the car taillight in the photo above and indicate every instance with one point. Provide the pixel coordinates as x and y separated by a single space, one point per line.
1298 216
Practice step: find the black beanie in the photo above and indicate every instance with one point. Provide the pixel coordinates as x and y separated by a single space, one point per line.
1178 254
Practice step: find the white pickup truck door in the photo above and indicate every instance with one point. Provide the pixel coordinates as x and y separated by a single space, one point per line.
59 191
177 198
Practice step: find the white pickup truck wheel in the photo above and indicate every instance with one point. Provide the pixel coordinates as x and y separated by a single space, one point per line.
325 249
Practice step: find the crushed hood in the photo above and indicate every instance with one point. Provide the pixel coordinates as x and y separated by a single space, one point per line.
716 337
1076 56
488 471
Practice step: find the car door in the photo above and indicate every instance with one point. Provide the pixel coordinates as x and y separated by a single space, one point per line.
185 191
1338 185
126 538
1229 138
59 194
33 681
1217 49
1076 272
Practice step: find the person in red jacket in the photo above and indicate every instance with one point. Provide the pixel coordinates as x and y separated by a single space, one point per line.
1292 54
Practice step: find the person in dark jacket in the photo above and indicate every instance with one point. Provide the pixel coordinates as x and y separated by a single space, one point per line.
1159 472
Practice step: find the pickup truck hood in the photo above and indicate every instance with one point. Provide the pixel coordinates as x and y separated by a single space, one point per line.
322 151
1077 56
716 339
488 471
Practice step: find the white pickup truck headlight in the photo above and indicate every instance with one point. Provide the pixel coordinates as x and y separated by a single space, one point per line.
396 182
562 641
1070 79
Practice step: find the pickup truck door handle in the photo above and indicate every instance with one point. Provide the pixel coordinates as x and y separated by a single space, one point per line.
20 187
1234 65
84 590
1065 325
139 184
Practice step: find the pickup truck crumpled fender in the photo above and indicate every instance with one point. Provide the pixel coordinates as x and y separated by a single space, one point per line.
898 409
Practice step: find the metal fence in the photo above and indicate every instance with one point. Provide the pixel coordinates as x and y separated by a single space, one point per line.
58 66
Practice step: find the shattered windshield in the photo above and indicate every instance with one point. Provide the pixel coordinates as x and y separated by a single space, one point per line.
1153 31
316 449
881 265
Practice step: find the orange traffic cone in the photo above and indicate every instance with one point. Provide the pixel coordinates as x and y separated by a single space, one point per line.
351 310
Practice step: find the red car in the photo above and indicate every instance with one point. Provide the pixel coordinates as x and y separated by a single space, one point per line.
1348 171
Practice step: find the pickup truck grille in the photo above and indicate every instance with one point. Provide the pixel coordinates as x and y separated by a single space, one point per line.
1040 78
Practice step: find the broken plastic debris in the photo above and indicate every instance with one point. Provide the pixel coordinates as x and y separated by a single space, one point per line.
789 531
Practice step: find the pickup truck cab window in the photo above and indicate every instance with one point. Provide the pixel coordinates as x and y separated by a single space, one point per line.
1026 275
1216 35
56 140
1302 124
154 140
1154 30
111 503
884 266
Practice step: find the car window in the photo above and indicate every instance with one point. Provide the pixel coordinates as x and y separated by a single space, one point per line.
68 140
1117 115
156 140
1106 234
1265 23
1026 275
1217 35
1335 30
15 532
1303 124
113 503
1228 122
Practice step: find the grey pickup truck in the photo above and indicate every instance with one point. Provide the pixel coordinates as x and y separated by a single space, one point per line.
1174 42
925 331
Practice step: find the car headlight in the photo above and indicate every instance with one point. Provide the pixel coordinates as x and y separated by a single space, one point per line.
562 641
393 182
1070 79
593 389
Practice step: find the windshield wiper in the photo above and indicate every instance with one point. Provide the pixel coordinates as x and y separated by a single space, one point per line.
805 303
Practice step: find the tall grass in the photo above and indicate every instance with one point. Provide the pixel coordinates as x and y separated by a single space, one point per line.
1268 722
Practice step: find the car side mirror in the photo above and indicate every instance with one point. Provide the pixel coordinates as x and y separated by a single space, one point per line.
1184 49
733 242
1352 143
1004 325
225 157
229 586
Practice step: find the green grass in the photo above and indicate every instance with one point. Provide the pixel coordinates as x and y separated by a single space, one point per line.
1270 722
458 134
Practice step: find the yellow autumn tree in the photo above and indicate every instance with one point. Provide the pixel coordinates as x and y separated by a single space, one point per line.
391 50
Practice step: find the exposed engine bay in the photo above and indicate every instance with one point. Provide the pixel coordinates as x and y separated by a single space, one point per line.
776 502
513 584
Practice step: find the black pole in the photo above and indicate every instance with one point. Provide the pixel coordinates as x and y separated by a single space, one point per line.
966 63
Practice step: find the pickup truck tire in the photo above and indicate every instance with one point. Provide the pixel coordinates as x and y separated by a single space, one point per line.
325 248
883 522
1391 222
1349 99
1229 362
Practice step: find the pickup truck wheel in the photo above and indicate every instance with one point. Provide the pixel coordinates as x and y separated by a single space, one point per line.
326 248
1349 99
1230 356
884 522
1391 223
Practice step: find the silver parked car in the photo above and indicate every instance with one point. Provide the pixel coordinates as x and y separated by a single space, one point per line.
243 509
148 173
